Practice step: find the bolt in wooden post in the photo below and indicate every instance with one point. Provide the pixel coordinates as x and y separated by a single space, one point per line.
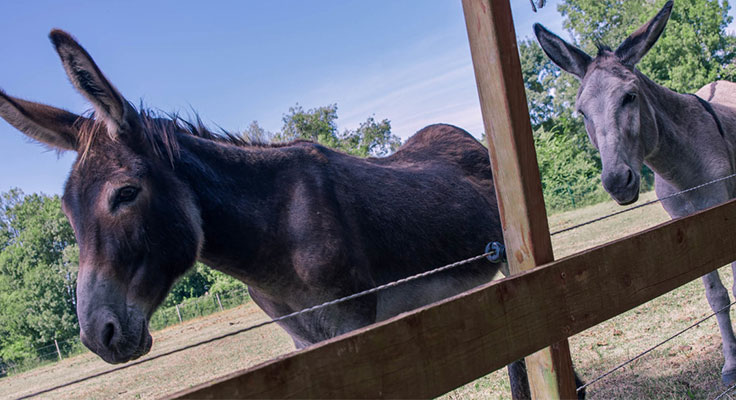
178 313
516 174
217 295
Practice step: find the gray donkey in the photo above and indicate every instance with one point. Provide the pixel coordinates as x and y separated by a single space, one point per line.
684 139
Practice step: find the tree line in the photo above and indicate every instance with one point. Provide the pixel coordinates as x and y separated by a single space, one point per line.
39 257
371 138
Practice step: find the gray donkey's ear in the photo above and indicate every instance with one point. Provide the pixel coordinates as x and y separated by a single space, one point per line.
51 126
110 106
638 44
565 55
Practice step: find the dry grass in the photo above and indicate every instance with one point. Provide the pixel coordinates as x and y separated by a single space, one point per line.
688 367
164 375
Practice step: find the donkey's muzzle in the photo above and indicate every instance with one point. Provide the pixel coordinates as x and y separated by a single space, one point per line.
622 185
115 339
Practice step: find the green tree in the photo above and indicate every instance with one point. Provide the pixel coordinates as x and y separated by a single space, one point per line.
694 50
551 95
370 139
320 125
223 283
540 75
254 133
570 178
198 281
37 275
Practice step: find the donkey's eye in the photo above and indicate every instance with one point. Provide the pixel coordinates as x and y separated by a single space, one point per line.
628 98
126 194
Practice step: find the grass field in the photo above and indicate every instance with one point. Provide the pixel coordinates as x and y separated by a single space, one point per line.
687 367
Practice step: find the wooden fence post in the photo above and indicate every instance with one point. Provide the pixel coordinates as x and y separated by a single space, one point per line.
57 349
515 170
178 313
217 296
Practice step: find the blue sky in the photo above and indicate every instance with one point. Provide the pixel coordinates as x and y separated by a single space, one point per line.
240 61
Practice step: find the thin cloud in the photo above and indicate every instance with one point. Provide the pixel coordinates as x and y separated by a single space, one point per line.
437 88
434 87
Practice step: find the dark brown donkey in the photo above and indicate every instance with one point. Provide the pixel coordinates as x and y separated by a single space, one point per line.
299 223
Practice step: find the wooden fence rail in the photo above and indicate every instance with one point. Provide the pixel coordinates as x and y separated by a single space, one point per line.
435 349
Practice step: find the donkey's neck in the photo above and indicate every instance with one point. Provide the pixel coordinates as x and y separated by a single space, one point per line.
234 187
686 135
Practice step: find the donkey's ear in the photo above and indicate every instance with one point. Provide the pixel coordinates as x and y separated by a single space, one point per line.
565 55
110 106
639 43
51 126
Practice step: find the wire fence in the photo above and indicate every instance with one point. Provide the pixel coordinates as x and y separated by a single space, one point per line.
45 355
726 393
659 200
196 307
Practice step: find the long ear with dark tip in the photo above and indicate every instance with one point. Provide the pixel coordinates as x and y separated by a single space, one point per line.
565 55
51 126
84 74
638 44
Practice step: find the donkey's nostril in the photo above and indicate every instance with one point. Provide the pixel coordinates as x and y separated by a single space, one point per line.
108 332
629 178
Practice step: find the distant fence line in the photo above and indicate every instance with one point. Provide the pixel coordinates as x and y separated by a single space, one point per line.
188 309
197 307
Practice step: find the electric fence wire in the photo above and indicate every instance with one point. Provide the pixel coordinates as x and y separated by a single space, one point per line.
726 392
264 323
647 351
613 214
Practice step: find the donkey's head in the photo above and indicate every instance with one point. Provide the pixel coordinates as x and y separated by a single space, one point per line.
617 117
137 225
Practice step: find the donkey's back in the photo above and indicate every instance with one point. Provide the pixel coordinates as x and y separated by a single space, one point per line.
447 144
719 92
434 196
430 203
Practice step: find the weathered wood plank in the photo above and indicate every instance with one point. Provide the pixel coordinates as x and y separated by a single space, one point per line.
515 170
435 349
510 142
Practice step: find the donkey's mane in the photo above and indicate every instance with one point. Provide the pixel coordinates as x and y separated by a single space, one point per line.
161 129
602 48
